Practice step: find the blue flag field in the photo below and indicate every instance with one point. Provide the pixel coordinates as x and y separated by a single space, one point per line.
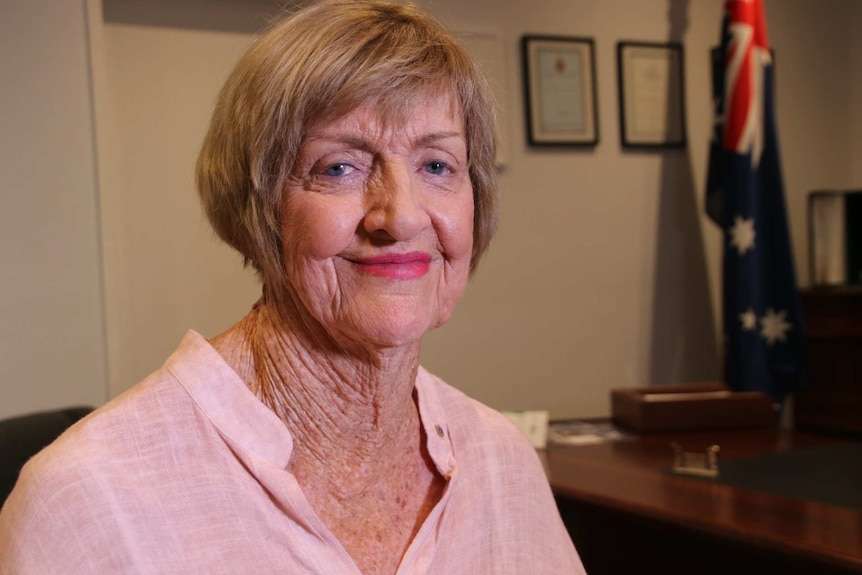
763 324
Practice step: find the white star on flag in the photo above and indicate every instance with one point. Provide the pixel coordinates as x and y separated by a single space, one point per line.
774 326
748 319
742 234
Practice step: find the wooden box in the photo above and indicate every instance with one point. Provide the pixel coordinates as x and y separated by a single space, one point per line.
690 406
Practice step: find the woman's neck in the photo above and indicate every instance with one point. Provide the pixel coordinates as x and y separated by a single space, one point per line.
359 452
349 411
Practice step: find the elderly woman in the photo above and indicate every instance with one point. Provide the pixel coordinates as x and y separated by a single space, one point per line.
350 160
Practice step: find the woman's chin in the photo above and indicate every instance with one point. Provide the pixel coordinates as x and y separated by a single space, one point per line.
388 334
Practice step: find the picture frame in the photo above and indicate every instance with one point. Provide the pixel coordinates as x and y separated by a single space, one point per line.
560 90
651 94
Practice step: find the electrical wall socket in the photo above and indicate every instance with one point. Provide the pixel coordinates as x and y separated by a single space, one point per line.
534 424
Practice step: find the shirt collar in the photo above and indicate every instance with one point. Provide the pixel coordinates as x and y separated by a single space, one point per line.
435 424
226 401
240 417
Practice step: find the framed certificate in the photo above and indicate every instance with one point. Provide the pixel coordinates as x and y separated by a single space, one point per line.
560 91
651 94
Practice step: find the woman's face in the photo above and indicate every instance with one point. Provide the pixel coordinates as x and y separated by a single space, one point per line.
377 223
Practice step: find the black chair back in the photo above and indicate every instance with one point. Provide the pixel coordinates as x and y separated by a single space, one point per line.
24 436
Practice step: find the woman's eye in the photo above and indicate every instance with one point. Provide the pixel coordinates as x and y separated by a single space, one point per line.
337 170
436 168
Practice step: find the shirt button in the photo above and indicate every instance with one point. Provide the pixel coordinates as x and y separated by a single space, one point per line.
439 430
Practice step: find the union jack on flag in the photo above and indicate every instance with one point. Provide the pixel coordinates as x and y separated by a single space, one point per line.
763 329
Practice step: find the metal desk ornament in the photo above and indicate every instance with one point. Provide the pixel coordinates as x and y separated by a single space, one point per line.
701 464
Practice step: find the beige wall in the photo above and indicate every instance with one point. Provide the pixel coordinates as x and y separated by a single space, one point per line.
604 272
52 347
855 58
166 270
815 81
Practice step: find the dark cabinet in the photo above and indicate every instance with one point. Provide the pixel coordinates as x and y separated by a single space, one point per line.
833 324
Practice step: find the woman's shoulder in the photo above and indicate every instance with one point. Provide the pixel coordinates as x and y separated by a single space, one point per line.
138 421
133 426
103 438
75 478
165 427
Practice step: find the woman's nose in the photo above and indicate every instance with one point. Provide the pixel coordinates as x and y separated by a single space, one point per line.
395 206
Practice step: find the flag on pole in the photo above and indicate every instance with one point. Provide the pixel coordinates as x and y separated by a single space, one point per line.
763 330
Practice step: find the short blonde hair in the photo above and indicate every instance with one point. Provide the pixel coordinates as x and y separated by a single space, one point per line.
315 65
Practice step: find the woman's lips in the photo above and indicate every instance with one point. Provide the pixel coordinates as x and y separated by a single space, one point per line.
396 266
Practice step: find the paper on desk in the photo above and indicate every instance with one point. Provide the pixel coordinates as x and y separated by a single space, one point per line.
582 433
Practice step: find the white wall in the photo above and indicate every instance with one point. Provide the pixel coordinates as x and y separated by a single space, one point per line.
52 350
604 272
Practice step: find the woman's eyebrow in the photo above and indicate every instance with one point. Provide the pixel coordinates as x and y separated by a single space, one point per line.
366 145
353 141
433 137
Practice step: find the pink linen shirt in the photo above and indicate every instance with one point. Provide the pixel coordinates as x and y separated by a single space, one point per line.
186 473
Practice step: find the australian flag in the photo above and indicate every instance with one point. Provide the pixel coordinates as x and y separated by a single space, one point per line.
763 327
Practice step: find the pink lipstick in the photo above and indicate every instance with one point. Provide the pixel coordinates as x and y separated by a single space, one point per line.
411 265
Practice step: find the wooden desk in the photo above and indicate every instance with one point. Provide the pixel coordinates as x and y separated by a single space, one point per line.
627 514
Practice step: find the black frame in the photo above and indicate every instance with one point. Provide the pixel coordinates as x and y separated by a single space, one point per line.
675 100
536 136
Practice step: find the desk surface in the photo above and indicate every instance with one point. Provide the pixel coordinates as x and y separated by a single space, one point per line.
631 475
